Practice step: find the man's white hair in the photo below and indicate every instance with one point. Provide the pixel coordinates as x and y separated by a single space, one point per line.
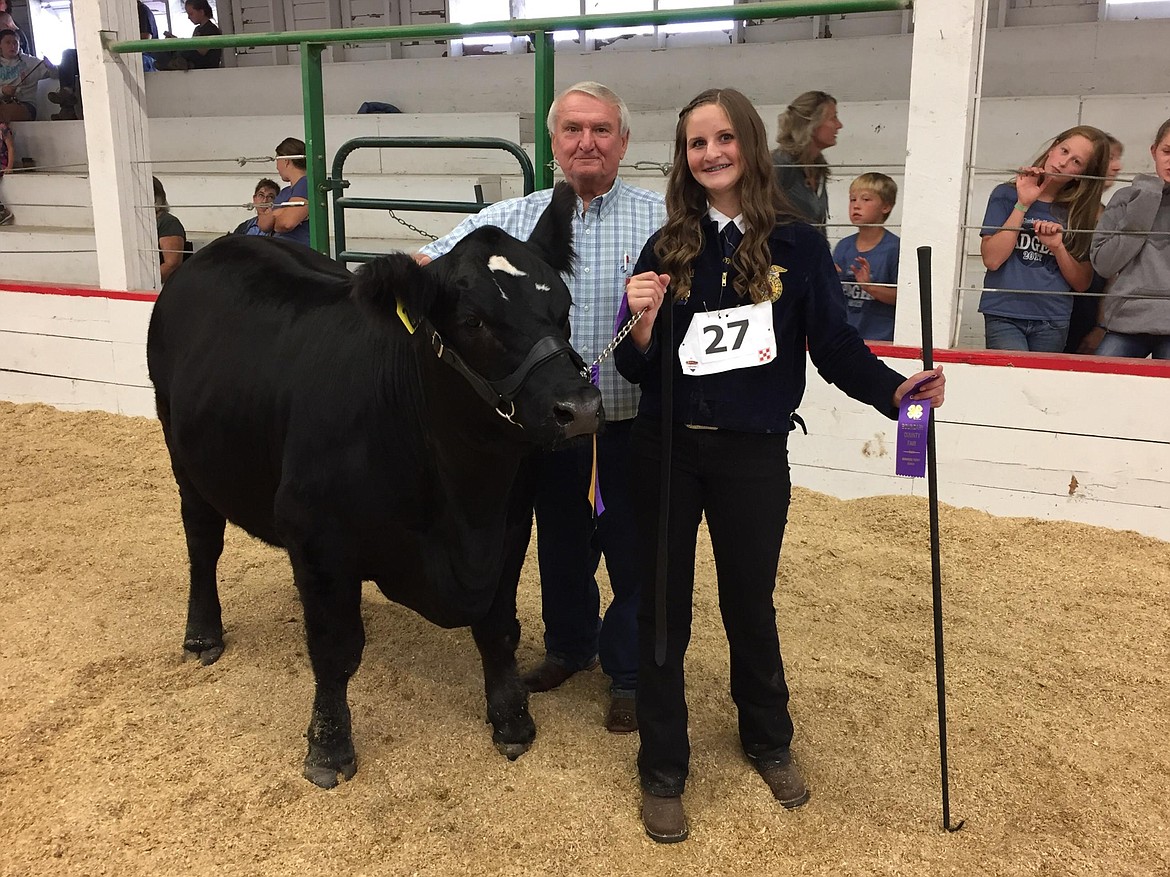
599 91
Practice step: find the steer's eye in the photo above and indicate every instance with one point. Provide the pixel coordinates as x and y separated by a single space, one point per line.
472 323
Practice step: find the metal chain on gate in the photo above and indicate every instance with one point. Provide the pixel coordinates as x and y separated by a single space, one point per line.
414 228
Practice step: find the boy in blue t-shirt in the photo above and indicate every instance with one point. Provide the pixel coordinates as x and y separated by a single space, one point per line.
868 261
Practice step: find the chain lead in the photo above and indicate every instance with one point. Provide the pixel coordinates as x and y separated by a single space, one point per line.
619 337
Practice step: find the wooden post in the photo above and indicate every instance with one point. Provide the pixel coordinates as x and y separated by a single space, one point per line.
944 77
117 144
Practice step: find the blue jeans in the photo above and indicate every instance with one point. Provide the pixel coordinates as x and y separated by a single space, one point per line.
570 543
1135 346
1038 336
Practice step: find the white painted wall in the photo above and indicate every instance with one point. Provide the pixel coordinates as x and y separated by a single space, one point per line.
1010 440
1011 131
1095 58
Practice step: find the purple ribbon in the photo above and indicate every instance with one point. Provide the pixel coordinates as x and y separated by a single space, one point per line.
913 420
623 314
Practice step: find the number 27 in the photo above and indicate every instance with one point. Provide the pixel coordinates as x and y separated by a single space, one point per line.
715 346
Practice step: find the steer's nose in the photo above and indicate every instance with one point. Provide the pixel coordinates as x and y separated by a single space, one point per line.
580 415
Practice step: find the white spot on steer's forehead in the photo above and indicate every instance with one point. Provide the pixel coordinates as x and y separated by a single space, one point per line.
542 287
501 263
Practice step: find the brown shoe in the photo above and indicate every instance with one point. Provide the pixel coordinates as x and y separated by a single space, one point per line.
548 674
621 718
785 781
663 818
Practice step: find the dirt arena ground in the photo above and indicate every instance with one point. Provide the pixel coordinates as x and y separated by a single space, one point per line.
118 758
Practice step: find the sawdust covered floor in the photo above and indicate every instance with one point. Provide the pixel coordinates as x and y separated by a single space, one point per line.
116 757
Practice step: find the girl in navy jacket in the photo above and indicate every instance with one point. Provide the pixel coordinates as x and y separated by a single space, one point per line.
749 288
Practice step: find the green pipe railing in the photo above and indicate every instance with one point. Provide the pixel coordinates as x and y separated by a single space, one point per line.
313 42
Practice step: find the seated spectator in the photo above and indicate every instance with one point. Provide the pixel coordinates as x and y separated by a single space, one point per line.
19 75
147 30
868 261
1131 242
199 12
262 197
172 237
68 95
7 160
288 219
7 22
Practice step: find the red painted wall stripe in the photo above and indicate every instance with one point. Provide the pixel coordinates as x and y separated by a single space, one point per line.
999 358
84 291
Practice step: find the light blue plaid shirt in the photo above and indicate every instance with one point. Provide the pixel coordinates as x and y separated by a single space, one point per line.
608 238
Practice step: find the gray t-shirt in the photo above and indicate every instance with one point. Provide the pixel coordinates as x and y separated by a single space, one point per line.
810 206
169 226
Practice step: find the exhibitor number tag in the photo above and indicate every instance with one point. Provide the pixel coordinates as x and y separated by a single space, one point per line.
722 341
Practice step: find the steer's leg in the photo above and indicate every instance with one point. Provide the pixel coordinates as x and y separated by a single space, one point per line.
204 528
336 637
498 633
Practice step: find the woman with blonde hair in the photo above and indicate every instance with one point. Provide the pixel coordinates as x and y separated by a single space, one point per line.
805 130
1035 242
733 290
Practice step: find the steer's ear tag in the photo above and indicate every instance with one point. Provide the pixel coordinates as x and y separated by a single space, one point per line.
402 315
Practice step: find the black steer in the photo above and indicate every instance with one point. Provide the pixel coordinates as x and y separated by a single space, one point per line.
371 425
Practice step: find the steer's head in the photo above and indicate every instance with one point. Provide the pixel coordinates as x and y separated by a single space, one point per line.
496 311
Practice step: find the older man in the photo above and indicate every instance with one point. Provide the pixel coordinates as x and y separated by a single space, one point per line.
590 130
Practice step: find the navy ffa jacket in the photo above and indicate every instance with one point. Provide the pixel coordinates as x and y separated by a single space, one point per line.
809 310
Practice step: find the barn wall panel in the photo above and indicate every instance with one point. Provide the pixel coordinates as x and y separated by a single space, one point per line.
993 500
1010 440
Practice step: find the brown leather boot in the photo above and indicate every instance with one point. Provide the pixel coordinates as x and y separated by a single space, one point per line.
548 674
664 818
622 717
785 781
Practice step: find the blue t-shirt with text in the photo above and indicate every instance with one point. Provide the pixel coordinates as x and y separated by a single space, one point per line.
1031 266
873 320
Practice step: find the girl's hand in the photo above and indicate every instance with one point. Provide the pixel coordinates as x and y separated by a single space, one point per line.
645 291
1029 185
8 90
1050 233
933 387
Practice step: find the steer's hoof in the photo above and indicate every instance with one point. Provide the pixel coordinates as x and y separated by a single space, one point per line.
328 777
511 751
206 651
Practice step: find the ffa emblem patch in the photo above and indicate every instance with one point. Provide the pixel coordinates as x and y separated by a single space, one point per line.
774 282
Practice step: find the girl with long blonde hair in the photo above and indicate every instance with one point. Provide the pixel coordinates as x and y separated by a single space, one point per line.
1035 242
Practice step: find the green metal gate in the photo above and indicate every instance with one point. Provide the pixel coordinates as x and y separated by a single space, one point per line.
337 182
